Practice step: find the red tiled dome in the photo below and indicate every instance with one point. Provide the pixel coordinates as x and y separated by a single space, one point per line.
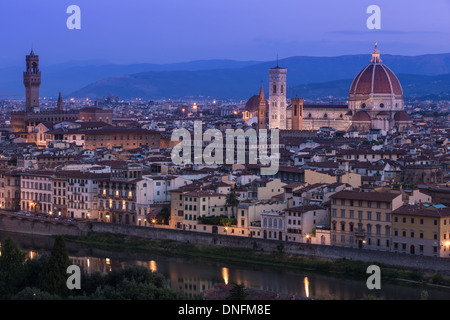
253 104
376 78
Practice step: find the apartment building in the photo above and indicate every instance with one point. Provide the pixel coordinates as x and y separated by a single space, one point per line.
83 194
9 190
117 194
301 222
201 204
59 182
36 192
422 229
154 192
363 219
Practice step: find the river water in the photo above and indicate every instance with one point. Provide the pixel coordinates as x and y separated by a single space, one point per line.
194 276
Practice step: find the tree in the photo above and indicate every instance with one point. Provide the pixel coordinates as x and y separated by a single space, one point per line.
232 201
55 273
12 261
163 216
238 292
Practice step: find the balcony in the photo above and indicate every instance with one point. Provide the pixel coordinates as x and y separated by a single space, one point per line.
360 233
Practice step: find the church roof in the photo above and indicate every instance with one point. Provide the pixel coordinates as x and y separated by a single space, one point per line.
376 78
361 116
401 116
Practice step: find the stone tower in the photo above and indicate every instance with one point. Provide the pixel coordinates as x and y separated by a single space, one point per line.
277 98
262 110
297 113
60 105
32 81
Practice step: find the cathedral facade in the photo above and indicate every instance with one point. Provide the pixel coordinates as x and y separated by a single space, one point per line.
375 102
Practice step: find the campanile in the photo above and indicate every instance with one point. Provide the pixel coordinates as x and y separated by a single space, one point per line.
32 81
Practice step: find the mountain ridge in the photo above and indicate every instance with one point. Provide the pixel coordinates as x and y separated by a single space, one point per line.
219 78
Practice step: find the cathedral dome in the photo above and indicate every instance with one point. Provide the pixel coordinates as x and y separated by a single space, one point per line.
252 104
376 78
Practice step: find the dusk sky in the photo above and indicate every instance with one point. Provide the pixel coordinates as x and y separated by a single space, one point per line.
165 31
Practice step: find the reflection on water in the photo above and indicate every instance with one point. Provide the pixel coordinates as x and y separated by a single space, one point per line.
193 276
306 286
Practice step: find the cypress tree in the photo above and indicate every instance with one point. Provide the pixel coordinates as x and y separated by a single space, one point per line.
55 273
11 267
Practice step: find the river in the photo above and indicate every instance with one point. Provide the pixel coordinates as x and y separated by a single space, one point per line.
194 276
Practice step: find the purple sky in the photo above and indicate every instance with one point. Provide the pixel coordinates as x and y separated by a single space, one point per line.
164 31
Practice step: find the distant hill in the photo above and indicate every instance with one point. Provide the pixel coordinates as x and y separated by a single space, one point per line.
414 87
307 76
71 76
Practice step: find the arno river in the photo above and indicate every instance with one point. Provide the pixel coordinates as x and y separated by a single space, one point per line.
194 276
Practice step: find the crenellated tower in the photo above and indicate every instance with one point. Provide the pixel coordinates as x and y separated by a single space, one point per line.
32 82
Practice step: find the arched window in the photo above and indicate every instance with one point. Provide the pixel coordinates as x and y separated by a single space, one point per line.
274 88
309 115
363 106
325 115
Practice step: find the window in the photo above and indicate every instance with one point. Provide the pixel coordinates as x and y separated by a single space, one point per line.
378 229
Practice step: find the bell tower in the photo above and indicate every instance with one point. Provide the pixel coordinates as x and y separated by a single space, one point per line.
277 98
32 81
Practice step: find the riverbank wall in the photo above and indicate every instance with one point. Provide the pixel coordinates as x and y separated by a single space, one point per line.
31 226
